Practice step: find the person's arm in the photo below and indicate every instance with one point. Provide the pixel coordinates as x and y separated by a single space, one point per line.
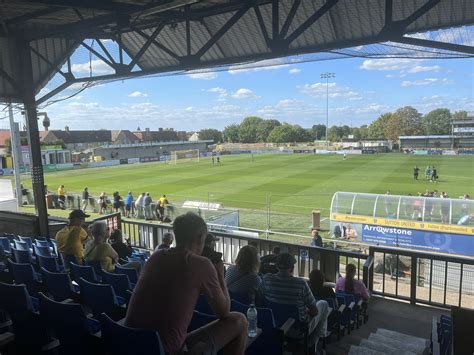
309 301
112 253
215 289
363 290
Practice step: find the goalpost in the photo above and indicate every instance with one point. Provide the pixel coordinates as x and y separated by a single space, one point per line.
184 155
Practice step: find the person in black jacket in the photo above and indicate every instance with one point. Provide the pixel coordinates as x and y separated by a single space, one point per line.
317 286
123 249
317 241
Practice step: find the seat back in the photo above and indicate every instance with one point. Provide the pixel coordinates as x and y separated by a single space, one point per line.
119 282
242 298
23 273
131 273
96 265
282 311
15 300
67 260
5 242
27 240
121 340
42 243
49 263
199 320
58 285
42 251
85 272
21 245
98 297
22 256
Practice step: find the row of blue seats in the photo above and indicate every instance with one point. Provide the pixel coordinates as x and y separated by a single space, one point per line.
441 336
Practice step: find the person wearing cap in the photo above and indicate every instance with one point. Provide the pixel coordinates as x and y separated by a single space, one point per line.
168 289
70 239
167 241
317 241
284 288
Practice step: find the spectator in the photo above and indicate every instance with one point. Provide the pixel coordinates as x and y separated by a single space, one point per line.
69 240
62 197
349 285
242 278
85 199
160 206
102 203
139 205
253 243
167 241
118 201
99 250
128 204
164 301
317 286
284 288
268 262
123 249
209 249
317 241
147 206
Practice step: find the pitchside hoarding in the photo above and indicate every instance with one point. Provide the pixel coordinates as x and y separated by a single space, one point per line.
436 237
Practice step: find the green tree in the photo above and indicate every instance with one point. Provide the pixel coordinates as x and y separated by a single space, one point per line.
231 133
376 129
437 121
264 128
318 131
248 129
406 121
460 115
210 134
335 133
302 134
284 133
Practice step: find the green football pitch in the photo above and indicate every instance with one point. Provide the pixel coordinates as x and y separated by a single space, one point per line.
284 187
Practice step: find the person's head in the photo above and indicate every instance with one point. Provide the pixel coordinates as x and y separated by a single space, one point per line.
316 279
168 238
350 274
148 194
314 232
210 241
253 243
99 231
285 262
164 195
143 194
116 236
85 188
62 186
248 260
190 232
130 192
276 251
77 218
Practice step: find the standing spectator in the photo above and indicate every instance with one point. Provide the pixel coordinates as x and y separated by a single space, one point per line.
147 206
427 172
465 204
62 197
284 288
317 241
162 202
416 171
85 199
123 249
102 203
167 241
164 301
434 175
128 204
69 240
118 201
139 205
347 284
242 278
317 286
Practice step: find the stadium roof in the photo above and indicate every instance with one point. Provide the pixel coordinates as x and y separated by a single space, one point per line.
152 37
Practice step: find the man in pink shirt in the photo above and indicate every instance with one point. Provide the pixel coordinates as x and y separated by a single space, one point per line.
349 285
167 292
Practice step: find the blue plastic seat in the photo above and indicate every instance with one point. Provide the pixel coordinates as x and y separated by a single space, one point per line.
5 243
25 274
42 251
41 243
20 245
353 305
30 333
22 256
130 272
121 340
199 320
101 298
49 263
97 266
85 272
70 326
27 240
59 285
120 283
67 260
242 298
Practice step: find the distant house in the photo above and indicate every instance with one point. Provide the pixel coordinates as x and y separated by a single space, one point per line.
4 136
124 136
162 135
79 140
194 137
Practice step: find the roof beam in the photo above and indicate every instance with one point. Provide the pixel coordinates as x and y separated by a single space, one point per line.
8 78
261 23
435 44
289 19
159 45
102 5
32 15
144 48
97 54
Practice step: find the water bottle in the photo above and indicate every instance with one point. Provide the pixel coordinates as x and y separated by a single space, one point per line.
252 321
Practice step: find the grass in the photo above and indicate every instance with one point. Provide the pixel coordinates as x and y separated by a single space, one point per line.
289 186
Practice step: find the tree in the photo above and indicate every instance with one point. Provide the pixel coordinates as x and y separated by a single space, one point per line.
405 121
248 129
231 133
437 121
210 134
264 128
282 134
318 131
335 133
301 134
460 115
376 129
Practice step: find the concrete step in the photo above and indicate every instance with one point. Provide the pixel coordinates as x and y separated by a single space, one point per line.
400 345
357 350
386 349
416 341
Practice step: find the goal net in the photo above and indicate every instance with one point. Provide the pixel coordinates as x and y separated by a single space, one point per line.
184 155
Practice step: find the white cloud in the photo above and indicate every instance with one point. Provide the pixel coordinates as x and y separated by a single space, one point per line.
244 93
288 103
318 90
390 76
98 67
294 71
221 93
387 64
268 64
426 81
137 94
422 69
203 76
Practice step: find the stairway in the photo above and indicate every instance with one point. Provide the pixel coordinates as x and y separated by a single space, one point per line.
381 342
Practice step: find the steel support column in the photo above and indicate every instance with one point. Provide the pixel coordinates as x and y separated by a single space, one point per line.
28 97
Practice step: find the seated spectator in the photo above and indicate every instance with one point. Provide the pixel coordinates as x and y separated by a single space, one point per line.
122 249
164 300
99 250
69 239
317 286
167 241
268 262
347 284
285 288
317 241
242 278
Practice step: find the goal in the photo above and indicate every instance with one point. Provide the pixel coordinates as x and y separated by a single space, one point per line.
184 156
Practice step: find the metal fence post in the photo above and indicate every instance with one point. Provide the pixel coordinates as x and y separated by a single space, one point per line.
414 276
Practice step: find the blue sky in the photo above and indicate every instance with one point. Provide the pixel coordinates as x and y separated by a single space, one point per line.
294 93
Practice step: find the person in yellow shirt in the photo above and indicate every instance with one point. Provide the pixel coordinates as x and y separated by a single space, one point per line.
70 239
62 197
162 202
